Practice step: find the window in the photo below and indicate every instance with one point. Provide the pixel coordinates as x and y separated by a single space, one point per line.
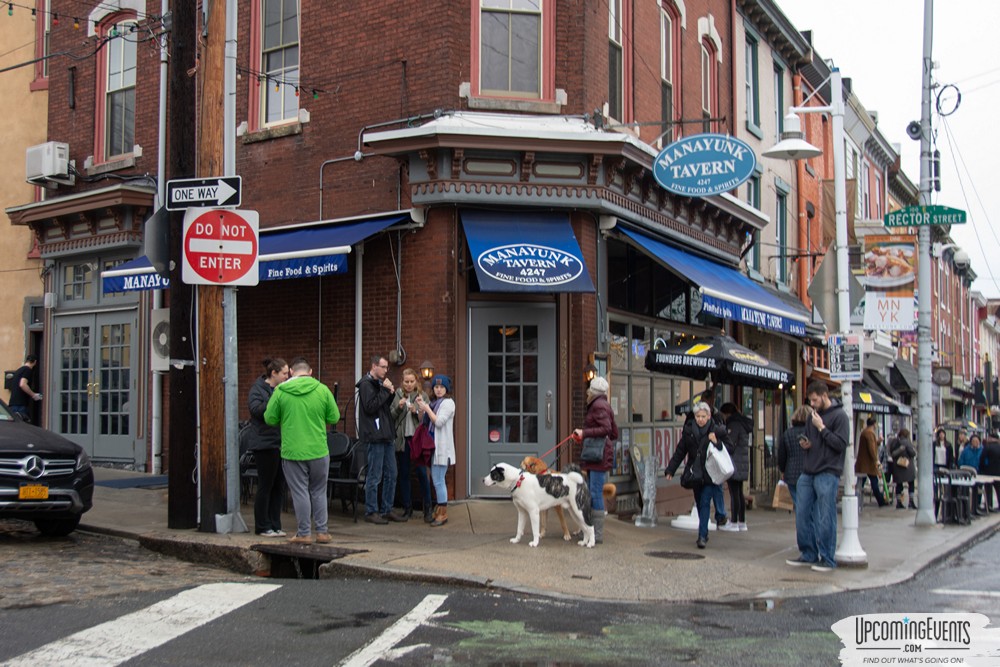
866 210
752 85
42 29
753 198
670 42
510 61
280 60
77 283
878 196
781 238
779 102
116 83
709 86
616 62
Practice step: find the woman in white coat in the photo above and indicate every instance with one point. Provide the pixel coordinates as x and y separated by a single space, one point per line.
441 416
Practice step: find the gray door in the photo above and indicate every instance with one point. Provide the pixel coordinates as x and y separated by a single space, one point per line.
92 403
512 388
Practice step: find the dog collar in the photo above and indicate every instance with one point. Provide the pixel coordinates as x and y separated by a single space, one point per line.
517 485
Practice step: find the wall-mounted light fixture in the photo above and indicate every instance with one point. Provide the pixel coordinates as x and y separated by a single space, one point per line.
427 370
589 373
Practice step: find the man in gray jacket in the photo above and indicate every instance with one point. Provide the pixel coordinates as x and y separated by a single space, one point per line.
377 430
825 441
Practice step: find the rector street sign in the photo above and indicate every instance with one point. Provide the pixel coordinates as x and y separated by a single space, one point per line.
918 216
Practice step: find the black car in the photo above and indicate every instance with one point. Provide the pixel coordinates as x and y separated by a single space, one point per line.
44 477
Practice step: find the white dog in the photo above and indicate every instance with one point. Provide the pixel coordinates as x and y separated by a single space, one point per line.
533 494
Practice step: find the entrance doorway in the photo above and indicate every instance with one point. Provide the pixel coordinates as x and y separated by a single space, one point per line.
93 382
512 387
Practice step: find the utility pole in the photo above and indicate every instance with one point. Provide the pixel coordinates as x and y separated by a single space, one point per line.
182 496
925 513
211 340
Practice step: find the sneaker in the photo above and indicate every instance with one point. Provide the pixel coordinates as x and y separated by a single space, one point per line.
822 567
376 519
729 528
701 542
267 533
301 539
323 538
743 527
395 518
279 533
798 562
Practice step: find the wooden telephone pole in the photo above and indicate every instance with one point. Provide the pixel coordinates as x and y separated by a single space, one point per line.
211 338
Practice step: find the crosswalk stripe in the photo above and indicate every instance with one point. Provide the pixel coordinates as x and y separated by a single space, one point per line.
383 645
958 591
124 638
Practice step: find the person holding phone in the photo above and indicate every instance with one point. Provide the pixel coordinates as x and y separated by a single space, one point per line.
825 442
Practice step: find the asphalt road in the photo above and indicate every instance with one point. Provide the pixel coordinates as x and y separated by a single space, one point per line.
159 611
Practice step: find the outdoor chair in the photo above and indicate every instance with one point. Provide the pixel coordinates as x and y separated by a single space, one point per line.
347 471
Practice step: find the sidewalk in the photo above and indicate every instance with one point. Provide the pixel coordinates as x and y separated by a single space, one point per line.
633 565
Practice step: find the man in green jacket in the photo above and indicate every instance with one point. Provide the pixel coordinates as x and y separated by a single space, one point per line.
303 406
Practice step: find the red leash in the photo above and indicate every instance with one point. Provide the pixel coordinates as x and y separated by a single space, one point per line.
558 445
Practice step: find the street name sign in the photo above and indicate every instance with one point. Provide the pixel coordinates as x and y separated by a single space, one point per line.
188 193
845 357
919 216
220 247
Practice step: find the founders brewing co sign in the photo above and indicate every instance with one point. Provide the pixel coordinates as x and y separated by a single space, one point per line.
704 165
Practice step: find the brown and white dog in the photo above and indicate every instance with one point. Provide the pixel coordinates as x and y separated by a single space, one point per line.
533 494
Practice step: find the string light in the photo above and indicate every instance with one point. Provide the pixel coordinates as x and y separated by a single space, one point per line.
55 18
10 9
296 91
76 24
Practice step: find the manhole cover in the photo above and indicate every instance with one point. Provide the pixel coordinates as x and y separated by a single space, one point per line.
674 555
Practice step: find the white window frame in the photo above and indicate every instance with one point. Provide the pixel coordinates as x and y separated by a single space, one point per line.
282 80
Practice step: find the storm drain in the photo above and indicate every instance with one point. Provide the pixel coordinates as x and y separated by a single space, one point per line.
301 561
674 555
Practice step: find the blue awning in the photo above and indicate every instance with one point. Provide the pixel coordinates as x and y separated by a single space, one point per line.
300 252
516 251
726 293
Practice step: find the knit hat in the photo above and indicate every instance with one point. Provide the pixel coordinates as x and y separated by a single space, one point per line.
442 380
598 385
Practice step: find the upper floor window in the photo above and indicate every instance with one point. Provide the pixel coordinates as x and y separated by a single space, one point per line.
781 237
753 198
670 46
616 60
866 203
116 88
779 102
877 214
709 86
43 28
511 49
752 84
280 60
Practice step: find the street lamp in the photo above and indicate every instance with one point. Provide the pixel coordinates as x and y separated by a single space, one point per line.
793 147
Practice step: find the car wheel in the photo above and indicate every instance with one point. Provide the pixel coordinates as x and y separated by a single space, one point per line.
57 527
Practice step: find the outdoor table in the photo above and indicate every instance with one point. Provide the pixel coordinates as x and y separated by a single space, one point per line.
956 490
981 482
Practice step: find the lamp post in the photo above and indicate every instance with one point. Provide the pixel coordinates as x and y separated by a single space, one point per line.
793 147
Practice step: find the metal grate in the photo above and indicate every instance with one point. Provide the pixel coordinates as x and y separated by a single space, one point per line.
674 555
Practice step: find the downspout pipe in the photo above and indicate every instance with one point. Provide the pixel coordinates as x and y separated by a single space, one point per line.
156 399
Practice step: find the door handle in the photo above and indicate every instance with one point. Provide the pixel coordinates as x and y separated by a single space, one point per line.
548 409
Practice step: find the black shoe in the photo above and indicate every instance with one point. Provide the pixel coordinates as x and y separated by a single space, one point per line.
376 519
395 518
899 506
721 521
912 506
428 515
408 512
701 542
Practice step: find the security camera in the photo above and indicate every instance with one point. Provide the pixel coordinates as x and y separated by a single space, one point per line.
913 130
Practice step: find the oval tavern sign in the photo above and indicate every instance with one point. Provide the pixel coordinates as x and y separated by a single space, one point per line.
530 264
704 164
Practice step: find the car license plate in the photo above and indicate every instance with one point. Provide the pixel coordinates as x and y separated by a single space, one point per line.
34 492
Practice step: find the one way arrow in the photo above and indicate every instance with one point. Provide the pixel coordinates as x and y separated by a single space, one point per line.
203 192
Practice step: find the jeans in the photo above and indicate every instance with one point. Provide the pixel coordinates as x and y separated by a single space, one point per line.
424 477
719 498
595 480
381 469
791 490
878 495
21 410
440 486
703 497
816 517
307 485
404 487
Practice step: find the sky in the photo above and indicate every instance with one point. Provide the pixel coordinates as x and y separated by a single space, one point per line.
878 44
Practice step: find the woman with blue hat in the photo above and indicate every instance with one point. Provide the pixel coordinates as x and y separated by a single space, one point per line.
441 416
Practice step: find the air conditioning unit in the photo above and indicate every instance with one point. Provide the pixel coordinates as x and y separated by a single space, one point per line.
159 344
48 163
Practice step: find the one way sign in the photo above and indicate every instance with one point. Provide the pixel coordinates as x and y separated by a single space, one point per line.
216 192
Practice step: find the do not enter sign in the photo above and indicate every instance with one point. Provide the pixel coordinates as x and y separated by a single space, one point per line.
220 247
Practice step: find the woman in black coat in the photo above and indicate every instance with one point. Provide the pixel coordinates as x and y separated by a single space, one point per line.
739 427
901 447
696 437
265 443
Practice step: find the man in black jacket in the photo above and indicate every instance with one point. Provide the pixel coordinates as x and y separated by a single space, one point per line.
377 430
825 441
